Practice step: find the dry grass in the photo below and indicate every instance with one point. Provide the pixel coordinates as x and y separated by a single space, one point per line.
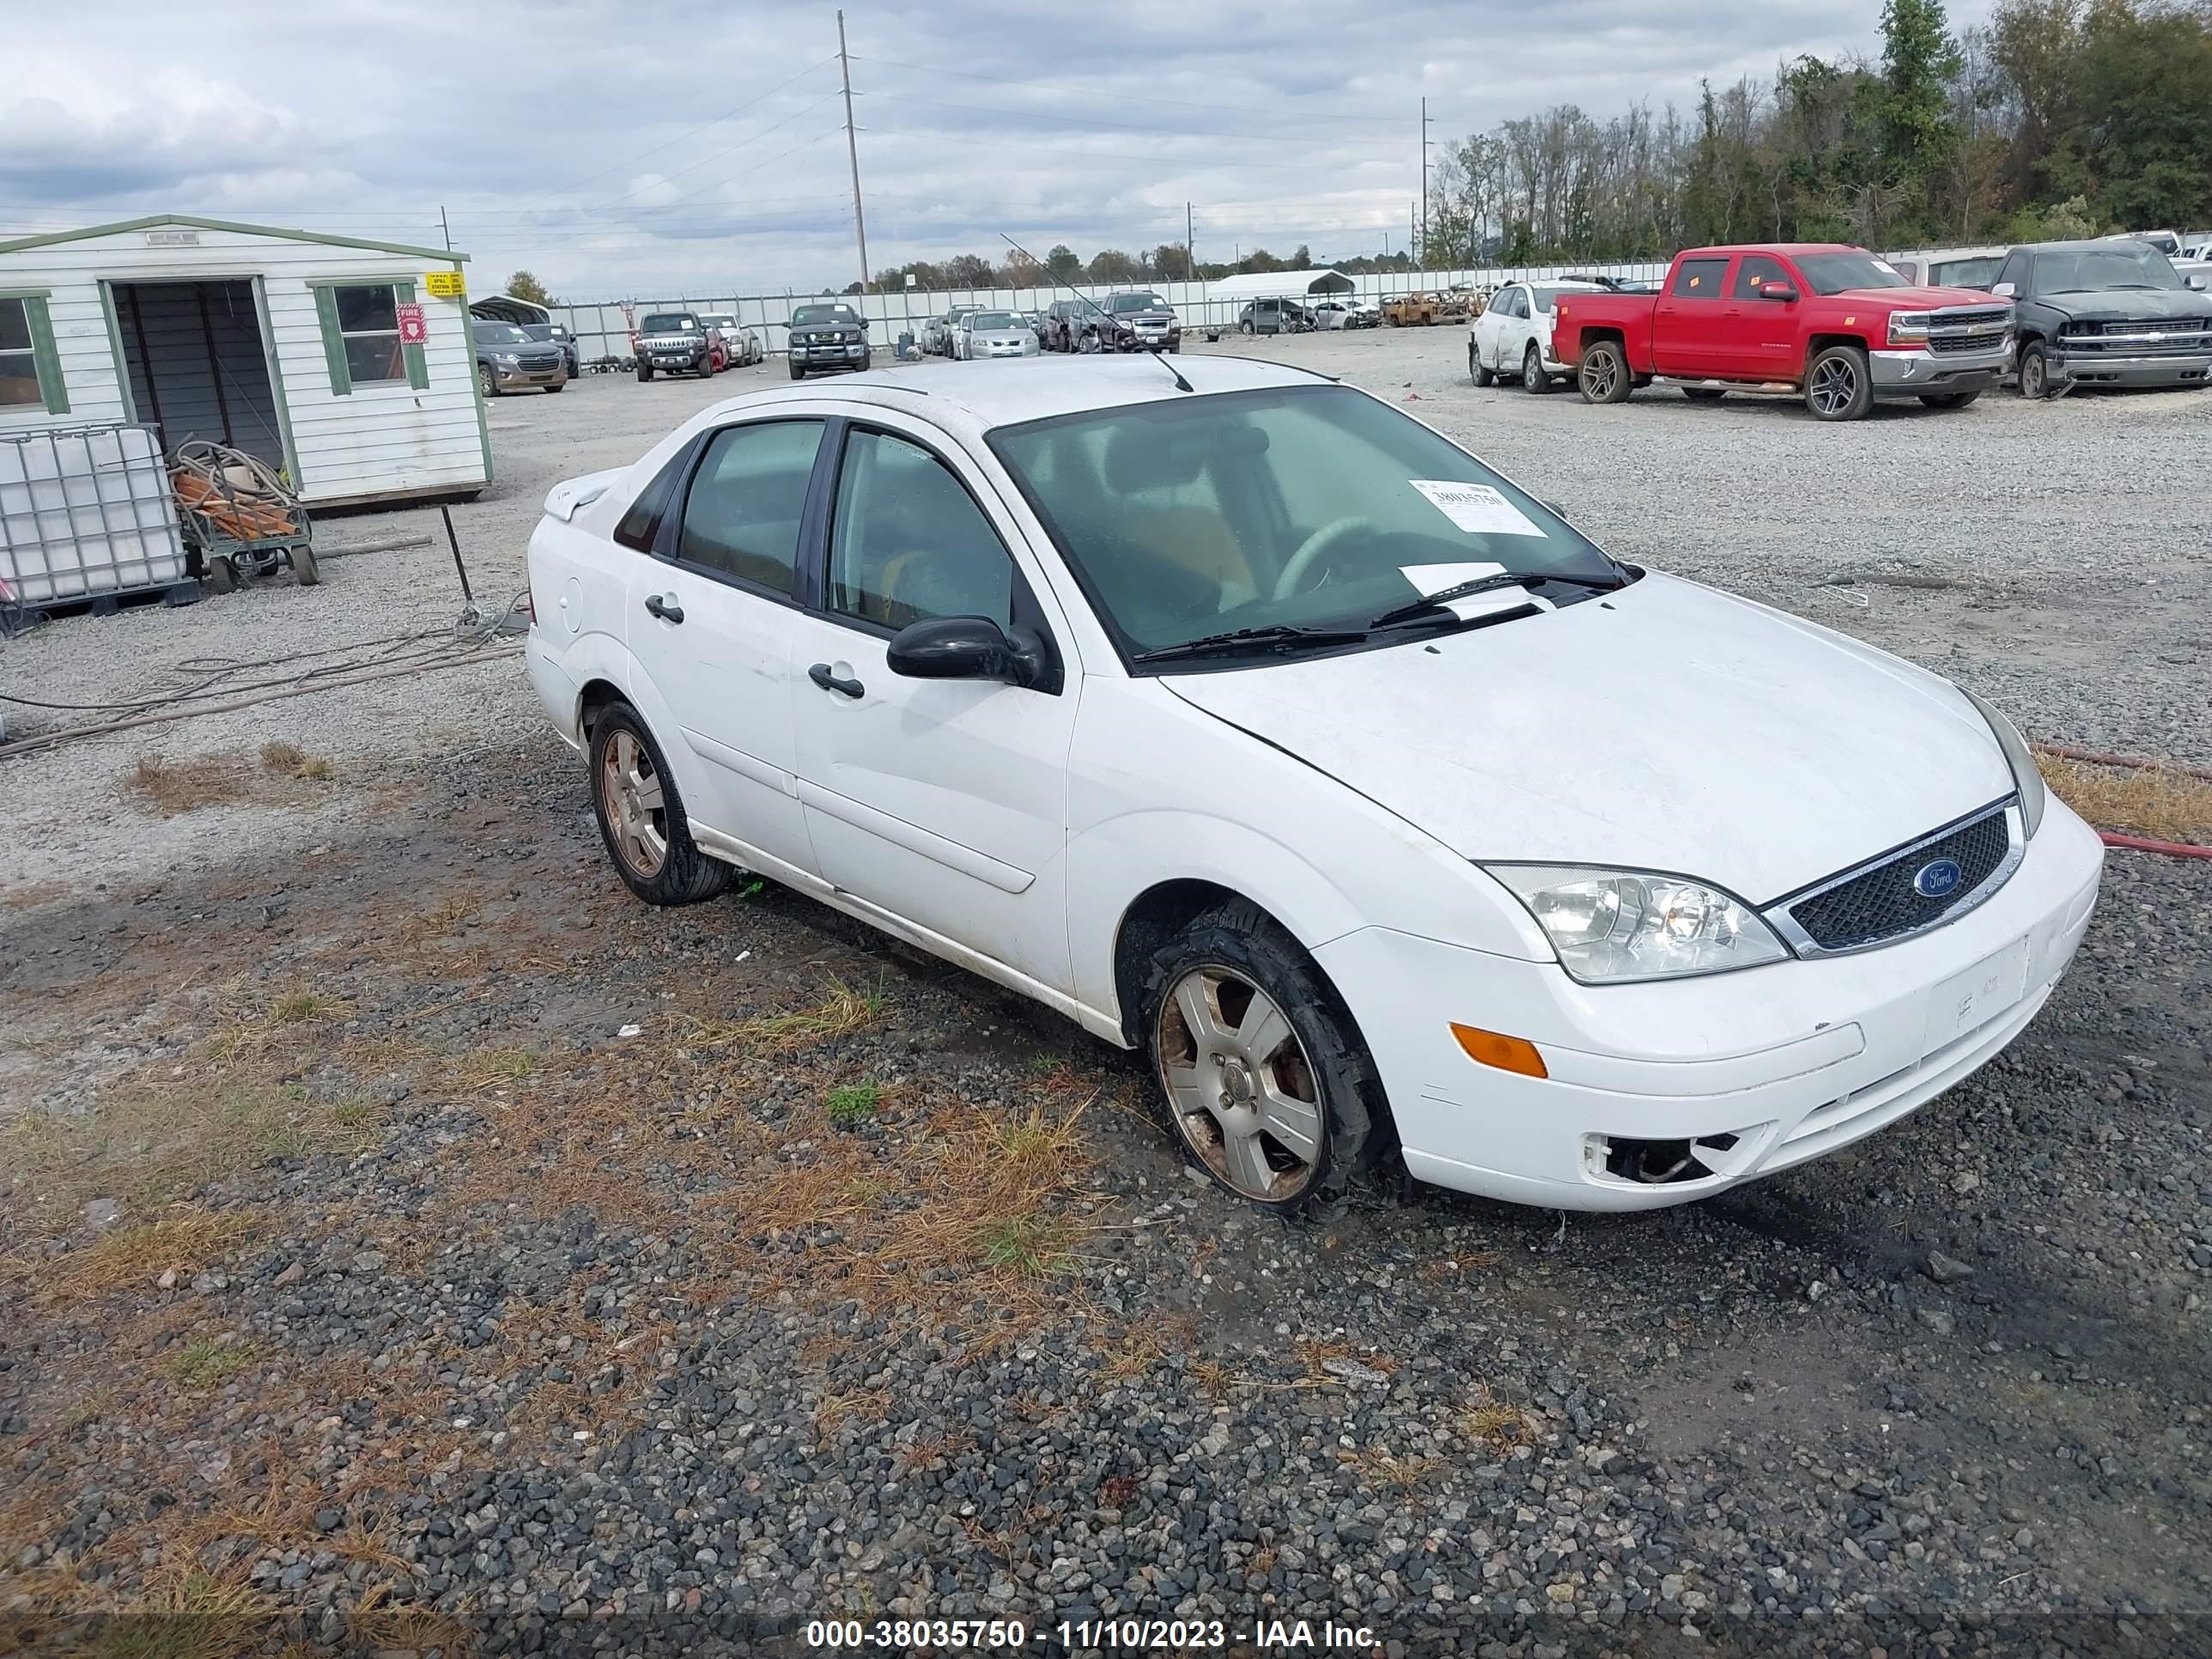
285 757
1497 1424
174 787
150 1145
870 1407
203 1361
1380 1467
2150 800
841 1012
183 1243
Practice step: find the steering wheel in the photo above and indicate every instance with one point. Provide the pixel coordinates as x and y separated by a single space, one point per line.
1324 540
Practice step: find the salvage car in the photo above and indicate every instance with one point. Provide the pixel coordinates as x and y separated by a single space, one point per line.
985 334
1511 338
676 342
1252 723
827 336
508 359
1834 325
1129 322
2106 313
558 335
741 346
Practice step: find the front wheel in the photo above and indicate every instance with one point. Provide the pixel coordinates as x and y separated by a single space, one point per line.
866 358
1478 370
1533 378
558 385
1602 374
2034 372
488 382
645 371
797 369
641 815
1836 385
1262 1073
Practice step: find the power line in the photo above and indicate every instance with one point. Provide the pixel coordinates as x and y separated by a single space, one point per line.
1087 122
1121 97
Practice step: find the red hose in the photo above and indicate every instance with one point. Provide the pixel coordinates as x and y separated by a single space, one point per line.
2172 849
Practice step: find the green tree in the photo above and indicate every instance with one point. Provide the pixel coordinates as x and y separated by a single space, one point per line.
1919 62
524 286
1064 262
1110 264
1170 262
969 271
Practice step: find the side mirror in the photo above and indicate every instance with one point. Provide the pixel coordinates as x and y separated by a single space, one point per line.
1782 292
964 648
2195 281
2003 290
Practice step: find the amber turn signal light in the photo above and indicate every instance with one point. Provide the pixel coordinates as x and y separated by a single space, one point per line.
1507 1053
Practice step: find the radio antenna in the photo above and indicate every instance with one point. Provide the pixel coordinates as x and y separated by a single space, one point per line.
1174 374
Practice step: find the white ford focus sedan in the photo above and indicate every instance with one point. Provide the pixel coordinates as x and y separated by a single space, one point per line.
1260 727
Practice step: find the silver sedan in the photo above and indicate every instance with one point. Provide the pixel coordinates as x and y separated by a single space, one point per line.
994 334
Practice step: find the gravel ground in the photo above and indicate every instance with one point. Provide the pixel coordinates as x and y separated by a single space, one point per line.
413 1244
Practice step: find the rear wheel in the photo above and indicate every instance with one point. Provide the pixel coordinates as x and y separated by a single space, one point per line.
1602 374
642 817
1533 378
1704 394
1263 1074
1837 386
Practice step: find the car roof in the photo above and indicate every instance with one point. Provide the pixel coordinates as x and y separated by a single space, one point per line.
985 396
1788 250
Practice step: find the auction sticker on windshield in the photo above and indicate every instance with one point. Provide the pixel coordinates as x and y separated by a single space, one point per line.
1475 507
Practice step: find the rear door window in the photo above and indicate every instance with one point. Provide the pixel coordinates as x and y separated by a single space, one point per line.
741 518
1699 279
641 524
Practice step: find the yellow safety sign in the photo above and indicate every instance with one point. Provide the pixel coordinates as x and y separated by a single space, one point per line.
443 284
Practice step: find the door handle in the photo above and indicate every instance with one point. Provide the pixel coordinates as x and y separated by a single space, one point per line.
821 675
667 610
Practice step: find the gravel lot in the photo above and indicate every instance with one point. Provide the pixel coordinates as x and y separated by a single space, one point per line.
412 1243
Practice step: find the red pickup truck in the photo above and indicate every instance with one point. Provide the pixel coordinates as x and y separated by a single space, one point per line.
1835 325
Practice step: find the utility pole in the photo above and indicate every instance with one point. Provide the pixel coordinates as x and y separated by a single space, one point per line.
445 228
853 153
1424 179
1189 243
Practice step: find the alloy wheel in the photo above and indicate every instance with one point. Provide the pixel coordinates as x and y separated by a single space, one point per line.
1243 1093
1835 383
1531 371
1601 374
630 790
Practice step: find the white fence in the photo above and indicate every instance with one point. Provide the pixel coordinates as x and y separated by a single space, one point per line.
604 331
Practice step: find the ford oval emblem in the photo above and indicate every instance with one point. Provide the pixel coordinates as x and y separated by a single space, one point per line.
1938 879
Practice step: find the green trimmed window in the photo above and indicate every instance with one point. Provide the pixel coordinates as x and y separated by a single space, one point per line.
361 336
30 368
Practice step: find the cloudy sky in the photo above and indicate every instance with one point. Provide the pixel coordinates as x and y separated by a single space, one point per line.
659 146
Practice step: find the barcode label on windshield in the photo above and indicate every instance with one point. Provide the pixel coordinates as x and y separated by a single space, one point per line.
1476 508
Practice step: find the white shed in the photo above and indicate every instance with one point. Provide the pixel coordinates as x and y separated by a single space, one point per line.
291 345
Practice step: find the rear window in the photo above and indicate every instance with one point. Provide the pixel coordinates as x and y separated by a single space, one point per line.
1699 279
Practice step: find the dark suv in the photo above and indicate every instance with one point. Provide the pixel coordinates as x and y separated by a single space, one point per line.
1131 322
827 336
2104 314
674 342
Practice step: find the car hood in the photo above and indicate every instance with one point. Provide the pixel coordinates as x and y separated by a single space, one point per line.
1668 728
2131 304
1001 336
1923 298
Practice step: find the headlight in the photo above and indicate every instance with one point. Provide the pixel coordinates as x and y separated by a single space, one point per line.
1610 926
506 358
2026 776
1907 327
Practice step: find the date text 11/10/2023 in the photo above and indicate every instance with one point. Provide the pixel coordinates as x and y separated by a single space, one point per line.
1109 1635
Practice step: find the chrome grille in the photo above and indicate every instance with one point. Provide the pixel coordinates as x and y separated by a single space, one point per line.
1980 339
1879 903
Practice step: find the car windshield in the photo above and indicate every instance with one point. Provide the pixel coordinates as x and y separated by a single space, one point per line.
670 322
537 330
720 321
983 321
817 316
2100 268
1978 272
1841 273
500 334
1301 506
1135 302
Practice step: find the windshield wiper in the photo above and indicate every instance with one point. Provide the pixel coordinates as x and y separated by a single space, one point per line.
1278 636
1443 596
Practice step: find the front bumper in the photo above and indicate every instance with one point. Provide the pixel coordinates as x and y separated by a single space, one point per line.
508 379
1165 339
2099 368
1917 372
831 355
1768 1066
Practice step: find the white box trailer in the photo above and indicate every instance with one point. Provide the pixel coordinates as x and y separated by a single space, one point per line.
347 365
